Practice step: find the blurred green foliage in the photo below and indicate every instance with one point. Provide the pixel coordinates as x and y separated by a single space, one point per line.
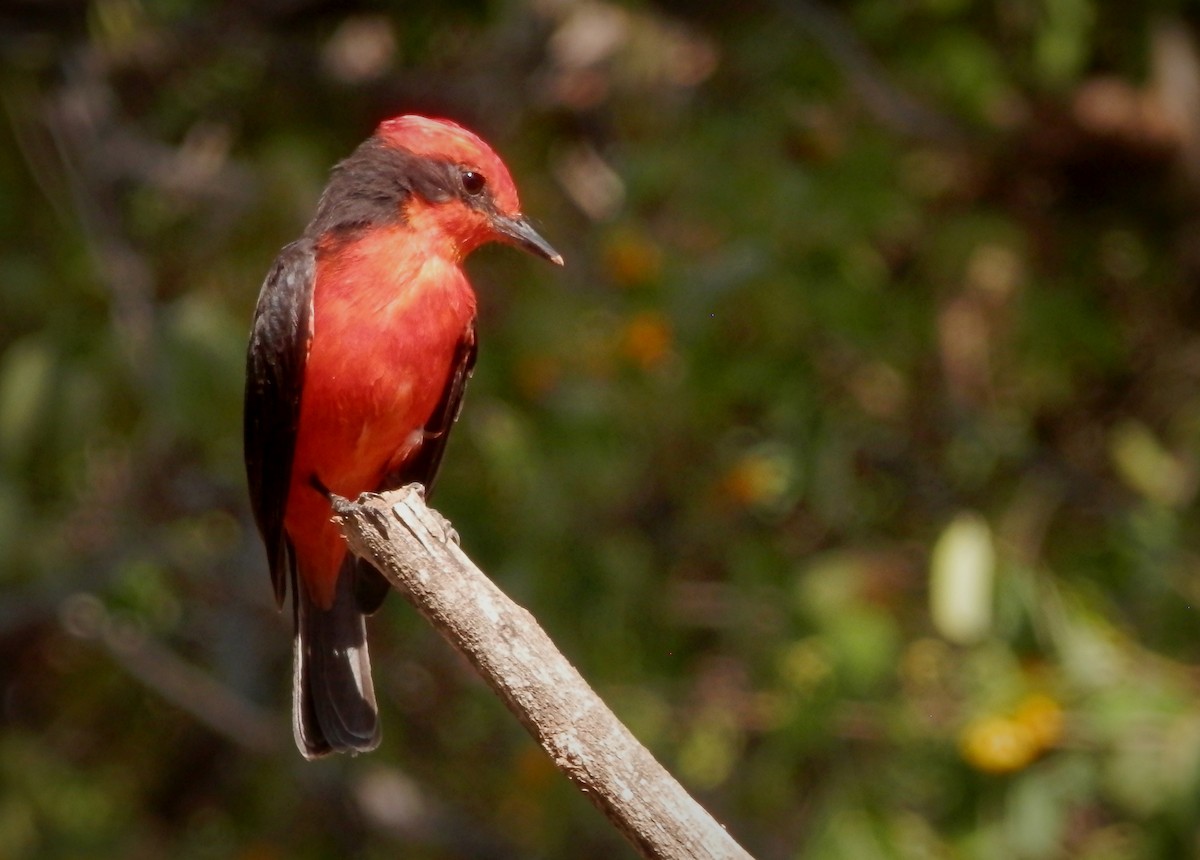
853 457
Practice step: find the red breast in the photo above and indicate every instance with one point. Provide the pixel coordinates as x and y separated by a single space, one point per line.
388 314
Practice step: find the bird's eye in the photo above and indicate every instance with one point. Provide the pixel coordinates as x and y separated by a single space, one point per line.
473 182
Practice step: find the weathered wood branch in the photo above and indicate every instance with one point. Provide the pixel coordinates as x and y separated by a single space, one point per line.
418 552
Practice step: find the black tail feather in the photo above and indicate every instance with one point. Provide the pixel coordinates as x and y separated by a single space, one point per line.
334 707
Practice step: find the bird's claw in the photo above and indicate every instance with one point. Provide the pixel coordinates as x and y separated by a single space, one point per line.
441 528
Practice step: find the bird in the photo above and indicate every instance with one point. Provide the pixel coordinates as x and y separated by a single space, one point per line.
362 342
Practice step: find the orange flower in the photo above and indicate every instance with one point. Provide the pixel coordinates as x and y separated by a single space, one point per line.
632 259
537 374
647 339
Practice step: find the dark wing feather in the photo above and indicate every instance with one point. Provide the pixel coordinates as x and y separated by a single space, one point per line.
279 344
423 466
370 586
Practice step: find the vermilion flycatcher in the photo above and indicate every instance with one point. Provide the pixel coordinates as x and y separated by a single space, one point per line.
362 343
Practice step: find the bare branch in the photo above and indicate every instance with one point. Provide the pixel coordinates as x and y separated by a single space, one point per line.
172 677
888 103
418 552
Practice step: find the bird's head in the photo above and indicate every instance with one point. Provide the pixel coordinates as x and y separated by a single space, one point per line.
454 185
437 178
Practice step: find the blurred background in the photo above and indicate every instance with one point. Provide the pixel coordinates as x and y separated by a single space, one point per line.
852 457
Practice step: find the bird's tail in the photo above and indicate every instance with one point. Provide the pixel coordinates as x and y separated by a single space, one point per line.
333 697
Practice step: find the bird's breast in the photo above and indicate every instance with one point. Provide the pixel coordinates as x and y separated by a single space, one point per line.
387 323
387 320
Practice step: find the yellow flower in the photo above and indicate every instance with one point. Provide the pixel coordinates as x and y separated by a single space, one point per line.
760 478
997 745
1042 717
1007 743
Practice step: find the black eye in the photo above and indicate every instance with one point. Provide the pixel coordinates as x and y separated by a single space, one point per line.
473 182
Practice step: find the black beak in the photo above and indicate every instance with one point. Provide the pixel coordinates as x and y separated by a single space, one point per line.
520 233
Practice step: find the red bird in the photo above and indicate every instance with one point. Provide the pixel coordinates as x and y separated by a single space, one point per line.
362 344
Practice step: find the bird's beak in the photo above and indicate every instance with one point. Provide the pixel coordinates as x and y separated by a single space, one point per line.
519 231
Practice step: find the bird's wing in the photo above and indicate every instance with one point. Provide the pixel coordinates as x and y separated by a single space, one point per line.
279 343
423 466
